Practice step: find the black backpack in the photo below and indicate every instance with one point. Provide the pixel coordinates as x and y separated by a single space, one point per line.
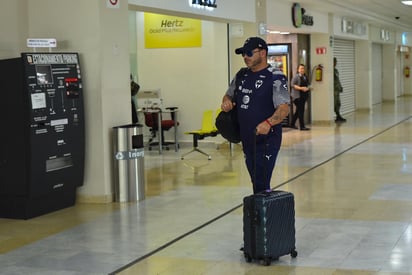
227 123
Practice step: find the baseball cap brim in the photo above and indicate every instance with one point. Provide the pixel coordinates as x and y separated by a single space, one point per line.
252 43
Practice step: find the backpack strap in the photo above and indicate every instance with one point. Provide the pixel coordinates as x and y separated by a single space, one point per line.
238 80
239 76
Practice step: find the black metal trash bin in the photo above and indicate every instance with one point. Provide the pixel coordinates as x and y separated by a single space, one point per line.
129 180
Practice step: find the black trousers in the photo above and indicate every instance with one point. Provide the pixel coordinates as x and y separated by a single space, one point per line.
300 111
261 158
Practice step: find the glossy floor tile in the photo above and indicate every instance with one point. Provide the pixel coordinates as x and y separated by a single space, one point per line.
353 201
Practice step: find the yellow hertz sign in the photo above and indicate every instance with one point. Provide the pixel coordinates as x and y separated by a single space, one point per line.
162 31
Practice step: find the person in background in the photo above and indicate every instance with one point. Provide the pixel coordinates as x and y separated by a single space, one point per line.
134 88
337 89
262 101
300 94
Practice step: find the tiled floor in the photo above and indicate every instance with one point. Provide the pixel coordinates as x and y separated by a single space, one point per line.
353 194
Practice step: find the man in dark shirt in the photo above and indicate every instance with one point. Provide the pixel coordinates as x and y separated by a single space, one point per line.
134 88
337 89
300 94
262 101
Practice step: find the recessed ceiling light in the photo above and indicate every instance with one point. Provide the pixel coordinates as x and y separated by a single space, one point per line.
407 2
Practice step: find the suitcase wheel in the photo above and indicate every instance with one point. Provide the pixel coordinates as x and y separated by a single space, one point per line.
248 258
294 253
267 261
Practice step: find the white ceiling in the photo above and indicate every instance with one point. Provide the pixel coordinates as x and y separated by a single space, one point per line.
381 13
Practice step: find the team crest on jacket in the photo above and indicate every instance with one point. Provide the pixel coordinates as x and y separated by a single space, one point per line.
258 83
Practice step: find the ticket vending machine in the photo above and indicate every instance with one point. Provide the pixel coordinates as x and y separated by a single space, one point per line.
42 138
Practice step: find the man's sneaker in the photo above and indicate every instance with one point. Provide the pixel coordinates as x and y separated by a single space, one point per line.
340 119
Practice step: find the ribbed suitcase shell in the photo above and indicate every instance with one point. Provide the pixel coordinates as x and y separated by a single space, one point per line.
269 226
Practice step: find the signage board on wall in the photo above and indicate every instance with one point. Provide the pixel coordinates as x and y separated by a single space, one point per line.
41 42
299 17
321 50
113 4
164 31
204 3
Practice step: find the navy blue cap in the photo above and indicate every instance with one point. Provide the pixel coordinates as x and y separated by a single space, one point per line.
252 43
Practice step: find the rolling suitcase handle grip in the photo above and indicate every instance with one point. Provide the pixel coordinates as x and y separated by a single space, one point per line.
265 192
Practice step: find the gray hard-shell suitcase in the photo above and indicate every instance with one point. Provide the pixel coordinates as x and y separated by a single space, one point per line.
269 226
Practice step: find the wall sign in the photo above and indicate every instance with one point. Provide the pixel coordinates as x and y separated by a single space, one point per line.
163 31
353 27
299 17
321 50
41 42
114 4
385 35
203 3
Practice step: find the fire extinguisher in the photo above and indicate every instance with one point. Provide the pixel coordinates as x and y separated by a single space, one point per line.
319 72
407 71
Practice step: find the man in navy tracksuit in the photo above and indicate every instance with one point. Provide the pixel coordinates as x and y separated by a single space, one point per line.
262 101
